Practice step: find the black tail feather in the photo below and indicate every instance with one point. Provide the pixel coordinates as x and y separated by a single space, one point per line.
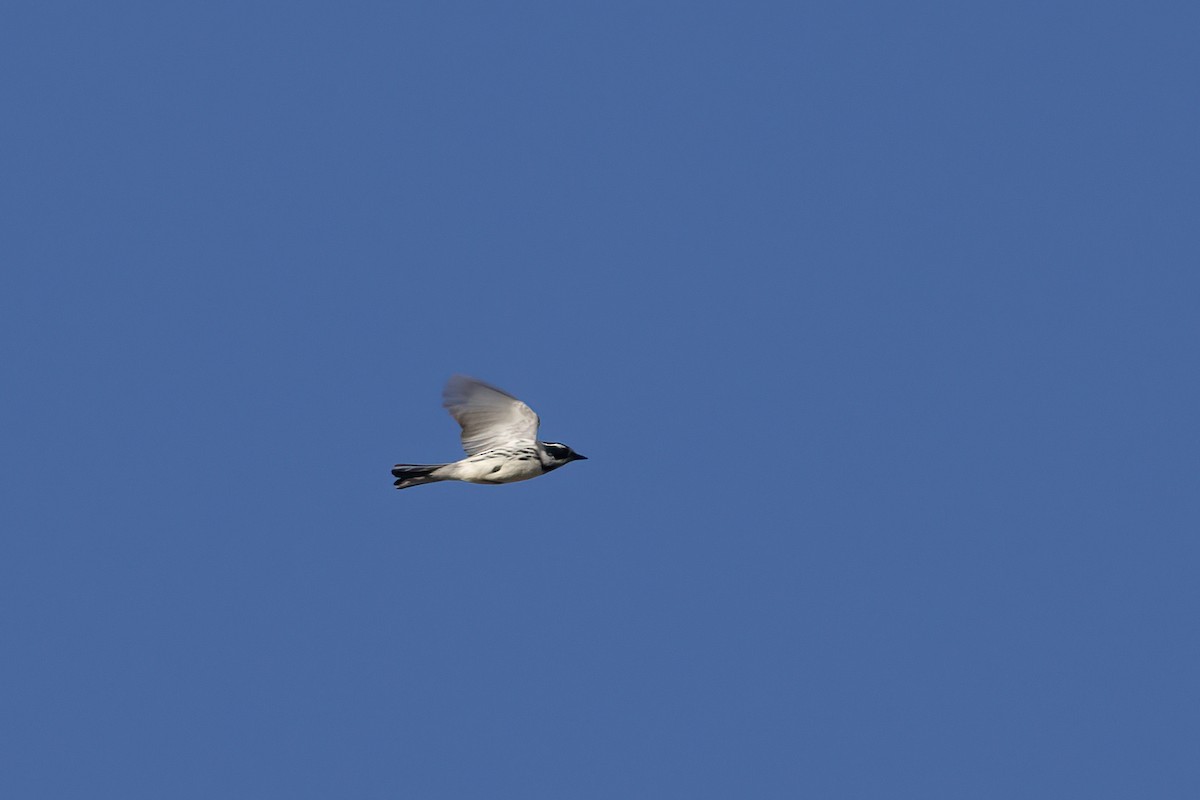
415 474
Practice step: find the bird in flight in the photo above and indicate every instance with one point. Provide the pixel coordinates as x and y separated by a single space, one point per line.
499 433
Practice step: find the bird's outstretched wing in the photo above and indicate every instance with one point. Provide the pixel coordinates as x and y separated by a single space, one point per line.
489 417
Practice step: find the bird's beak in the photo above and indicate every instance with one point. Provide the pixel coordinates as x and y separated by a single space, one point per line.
577 457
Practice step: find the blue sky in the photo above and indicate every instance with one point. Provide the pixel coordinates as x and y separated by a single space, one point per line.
878 323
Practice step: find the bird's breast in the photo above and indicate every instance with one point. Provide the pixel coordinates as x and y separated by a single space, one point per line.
483 468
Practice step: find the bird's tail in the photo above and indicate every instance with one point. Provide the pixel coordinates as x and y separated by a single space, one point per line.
415 474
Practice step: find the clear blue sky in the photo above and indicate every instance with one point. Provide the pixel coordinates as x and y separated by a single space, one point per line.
877 321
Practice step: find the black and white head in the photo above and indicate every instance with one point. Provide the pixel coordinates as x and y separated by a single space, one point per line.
560 454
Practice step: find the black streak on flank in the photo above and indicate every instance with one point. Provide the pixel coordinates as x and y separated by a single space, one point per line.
496 468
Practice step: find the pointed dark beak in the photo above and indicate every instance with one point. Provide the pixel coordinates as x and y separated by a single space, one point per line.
577 457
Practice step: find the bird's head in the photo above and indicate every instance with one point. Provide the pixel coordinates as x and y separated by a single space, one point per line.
560 454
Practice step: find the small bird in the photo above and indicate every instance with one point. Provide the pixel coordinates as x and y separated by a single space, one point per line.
499 433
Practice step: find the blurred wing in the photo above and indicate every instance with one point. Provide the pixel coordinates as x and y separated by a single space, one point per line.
488 416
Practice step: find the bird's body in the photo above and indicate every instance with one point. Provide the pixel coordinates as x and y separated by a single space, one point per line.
499 433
